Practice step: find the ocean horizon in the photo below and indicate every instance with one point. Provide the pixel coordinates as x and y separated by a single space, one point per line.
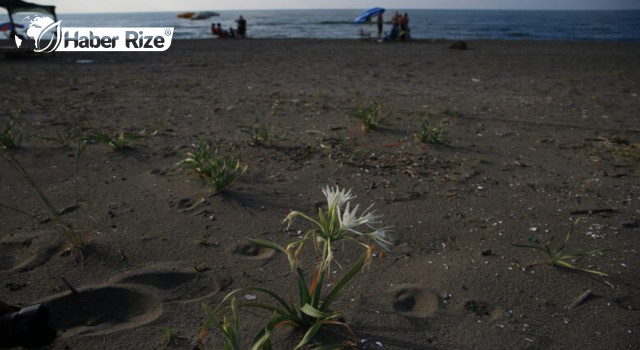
537 25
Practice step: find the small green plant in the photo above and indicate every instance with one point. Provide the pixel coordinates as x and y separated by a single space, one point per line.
259 134
339 222
170 336
433 134
629 150
479 129
556 256
118 141
229 327
11 136
482 160
217 171
368 115
158 125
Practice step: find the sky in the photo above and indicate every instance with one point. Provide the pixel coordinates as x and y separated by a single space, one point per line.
93 6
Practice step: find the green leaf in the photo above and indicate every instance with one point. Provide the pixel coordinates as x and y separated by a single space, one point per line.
235 314
264 306
315 313
575 256
309 334
319 276
305 297
212 318
267 244
263 336
343 282
287 309
573 267
595 272
565 264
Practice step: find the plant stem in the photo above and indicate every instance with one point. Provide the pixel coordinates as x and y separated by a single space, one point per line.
315 300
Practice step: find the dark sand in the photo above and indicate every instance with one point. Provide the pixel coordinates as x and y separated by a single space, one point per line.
541 134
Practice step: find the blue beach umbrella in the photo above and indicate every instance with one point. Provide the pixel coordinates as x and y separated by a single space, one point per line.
366 15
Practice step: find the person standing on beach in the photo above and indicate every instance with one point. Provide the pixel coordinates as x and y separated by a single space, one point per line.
405 32
380 25
242 28
395 26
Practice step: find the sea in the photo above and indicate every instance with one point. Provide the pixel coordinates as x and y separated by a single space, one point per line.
622 26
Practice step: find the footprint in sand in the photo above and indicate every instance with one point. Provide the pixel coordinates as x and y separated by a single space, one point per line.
129 301
415 302
103 310
248 250
26 251
184 285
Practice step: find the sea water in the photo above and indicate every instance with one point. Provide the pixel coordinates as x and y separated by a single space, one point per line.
424 24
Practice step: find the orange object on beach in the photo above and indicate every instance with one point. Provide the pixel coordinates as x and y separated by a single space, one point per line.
186 15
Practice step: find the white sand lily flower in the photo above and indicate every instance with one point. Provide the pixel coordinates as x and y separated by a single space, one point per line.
349 221
349 218
381 238
336 197
339 221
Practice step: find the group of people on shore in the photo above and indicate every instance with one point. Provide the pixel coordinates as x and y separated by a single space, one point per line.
239 33
399 27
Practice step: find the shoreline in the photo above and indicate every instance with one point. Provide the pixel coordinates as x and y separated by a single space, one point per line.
419 40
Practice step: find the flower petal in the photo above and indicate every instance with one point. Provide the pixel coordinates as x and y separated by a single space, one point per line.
336 197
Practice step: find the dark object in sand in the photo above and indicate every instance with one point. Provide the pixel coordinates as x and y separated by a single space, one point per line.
25 327
458 45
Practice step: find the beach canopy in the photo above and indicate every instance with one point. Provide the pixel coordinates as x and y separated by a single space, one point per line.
198 15
205 15
366 15
16 6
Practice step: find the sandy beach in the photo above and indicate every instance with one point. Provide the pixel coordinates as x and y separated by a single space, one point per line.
540 135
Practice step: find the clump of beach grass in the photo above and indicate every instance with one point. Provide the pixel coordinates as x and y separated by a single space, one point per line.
368 115
558 257
259 134
435 134
339 221
11 135
215 170
170 336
